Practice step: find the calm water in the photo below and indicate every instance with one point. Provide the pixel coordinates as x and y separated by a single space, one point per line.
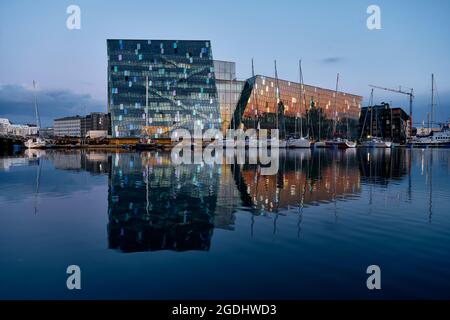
140 227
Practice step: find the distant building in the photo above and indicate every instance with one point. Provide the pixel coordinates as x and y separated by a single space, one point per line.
23 130
79 126
98 121
68 126
388 123
46 132
181 86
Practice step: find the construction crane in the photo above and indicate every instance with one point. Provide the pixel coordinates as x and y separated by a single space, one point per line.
410 94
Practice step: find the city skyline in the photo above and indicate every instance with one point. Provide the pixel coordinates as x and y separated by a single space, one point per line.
70 65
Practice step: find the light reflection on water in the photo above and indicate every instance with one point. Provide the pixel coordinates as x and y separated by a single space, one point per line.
140 227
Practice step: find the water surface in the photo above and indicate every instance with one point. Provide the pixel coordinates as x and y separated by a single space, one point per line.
140 227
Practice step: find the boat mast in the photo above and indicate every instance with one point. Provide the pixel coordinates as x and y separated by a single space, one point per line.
365 116
347 123
255 94
36 110
335 105
371 114
432 100
392 128
320 112
278 101
301 96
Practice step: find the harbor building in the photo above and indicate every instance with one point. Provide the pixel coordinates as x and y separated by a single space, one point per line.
22 130
67 126
384 122
156 86
80 126
258 104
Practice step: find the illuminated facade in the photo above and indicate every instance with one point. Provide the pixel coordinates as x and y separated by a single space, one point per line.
259 101
181 87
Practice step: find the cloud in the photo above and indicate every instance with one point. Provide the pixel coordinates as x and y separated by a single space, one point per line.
332 60
17 104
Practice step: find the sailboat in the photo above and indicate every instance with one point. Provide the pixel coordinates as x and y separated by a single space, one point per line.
297 141
435 138
339 143
373 142
36 142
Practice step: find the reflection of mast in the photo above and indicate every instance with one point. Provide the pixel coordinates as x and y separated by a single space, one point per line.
279 186
430 199
409 174
147 204
38 178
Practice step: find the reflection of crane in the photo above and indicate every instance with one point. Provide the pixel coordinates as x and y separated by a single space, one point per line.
410 94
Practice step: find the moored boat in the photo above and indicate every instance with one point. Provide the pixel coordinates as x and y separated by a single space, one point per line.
320 144
298 142
375 143
341 143
146 144
435 139
35 143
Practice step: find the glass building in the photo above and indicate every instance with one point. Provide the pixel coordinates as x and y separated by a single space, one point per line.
181 87
228 89
258 103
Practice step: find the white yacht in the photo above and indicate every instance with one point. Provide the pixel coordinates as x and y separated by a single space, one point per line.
298 142
436 139
35 143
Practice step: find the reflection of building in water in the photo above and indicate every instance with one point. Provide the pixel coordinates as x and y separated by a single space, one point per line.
154 205
302 178
95 162
380 165
8 162
227 199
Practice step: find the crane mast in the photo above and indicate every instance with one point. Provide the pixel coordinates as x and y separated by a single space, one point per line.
410 94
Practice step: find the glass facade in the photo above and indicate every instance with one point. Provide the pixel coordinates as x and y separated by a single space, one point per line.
259 101
181 87
228 88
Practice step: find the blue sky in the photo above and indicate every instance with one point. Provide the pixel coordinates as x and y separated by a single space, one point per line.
329 36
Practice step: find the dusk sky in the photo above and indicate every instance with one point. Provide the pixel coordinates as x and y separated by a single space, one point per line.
329 36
